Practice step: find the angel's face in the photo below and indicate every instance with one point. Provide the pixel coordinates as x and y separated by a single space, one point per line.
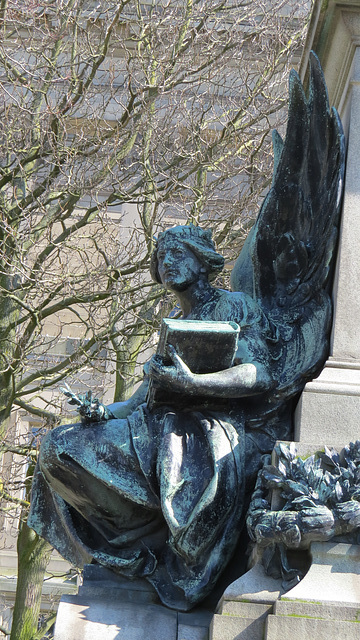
178 266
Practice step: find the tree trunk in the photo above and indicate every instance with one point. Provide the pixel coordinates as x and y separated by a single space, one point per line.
9 314
33 557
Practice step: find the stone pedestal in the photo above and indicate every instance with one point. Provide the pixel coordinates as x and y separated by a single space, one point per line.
330 405
240 620
329 408
109 607
327 600
299 624
333 578
245 606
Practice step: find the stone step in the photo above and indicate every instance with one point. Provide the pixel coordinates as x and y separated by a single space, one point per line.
303 628
194 625
320 610
254 586
252 610
226 627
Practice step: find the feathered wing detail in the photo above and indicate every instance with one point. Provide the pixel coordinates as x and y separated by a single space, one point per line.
287 257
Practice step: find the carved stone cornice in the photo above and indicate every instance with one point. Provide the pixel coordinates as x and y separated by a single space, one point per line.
334 34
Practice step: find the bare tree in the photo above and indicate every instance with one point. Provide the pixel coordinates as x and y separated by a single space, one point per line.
118 118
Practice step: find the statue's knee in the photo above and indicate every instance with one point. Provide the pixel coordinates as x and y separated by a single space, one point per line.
50 449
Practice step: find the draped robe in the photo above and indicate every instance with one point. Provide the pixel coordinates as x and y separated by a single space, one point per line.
162 494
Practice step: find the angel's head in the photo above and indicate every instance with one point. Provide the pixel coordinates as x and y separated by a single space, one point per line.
183 254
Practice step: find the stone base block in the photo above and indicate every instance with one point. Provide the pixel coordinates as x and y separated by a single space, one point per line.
334 575
189 632
234 628
109 607
323 611
81 618
240 620
326 603
254 586
283 628
194 625
252 610
330 406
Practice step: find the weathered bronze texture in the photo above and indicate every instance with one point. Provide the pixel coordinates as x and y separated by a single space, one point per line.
317 499
162 492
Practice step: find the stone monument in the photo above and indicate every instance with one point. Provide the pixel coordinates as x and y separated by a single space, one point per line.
333 399
327 601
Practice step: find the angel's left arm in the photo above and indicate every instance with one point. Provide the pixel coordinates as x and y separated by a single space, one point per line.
248 378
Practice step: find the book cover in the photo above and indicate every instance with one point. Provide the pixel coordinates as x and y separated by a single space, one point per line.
205 346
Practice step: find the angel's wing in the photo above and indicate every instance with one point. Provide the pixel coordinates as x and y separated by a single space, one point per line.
287 257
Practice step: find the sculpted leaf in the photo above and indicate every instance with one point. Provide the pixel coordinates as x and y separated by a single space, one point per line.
309 463
272 475
285 452
297 488
282 468
303 502
338 492
350 513
330 457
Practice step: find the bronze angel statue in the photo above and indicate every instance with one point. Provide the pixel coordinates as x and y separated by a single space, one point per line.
161 492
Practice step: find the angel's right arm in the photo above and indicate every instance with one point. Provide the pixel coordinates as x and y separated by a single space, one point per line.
123 409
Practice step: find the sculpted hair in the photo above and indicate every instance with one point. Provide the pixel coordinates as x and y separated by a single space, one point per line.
198 240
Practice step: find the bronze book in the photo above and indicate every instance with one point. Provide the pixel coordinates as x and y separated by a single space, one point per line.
205 346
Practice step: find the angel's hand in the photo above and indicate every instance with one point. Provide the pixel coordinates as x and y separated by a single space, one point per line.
90 408
176 377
